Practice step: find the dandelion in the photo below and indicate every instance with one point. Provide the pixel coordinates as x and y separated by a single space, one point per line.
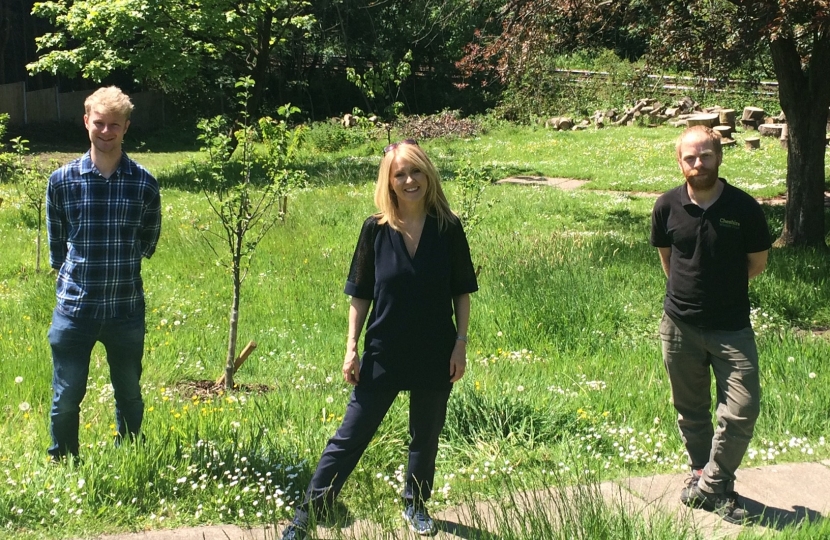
18 380
812 375
329 399
24 406
790 359
499 333
520 388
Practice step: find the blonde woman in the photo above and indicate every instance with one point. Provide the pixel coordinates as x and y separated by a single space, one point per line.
412 275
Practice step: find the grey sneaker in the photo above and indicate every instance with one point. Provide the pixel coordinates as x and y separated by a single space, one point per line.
419 521
724 505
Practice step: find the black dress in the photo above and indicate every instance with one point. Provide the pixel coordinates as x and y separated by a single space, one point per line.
410 333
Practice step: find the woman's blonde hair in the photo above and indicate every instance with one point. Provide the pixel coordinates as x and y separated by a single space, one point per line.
435 202
109 99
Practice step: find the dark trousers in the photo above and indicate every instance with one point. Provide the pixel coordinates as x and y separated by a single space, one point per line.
366 409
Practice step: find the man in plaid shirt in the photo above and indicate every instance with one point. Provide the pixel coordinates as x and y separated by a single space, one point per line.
103 214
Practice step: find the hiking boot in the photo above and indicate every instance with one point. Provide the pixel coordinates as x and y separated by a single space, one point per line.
295 531
691 483
724 505
418 520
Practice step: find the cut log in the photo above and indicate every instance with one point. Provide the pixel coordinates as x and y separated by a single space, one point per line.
724 131
672 111
246 352
704 119
686 105
771 130
560 122
678 123
784 138
727 118
752 143
749 125
753 113
727 142
629 114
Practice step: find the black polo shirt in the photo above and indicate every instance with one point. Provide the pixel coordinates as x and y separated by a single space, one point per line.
708 283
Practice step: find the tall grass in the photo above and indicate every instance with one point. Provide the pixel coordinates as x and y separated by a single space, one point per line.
564 358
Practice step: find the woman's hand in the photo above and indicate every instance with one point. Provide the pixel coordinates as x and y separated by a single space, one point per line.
351 367
458 361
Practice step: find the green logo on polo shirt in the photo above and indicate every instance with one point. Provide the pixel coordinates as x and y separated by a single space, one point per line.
730 224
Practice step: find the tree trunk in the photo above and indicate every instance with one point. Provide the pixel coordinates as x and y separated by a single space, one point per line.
39 236
234 325
805 97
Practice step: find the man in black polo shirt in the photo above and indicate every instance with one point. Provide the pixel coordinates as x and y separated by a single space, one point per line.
712 238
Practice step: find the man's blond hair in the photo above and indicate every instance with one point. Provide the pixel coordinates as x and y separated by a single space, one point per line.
109 99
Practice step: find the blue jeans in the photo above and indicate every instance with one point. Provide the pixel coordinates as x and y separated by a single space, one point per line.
72 340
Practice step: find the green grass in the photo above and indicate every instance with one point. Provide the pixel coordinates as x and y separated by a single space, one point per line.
565 364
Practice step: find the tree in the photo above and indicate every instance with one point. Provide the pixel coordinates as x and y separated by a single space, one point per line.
244 210
31 177
172 45
712 38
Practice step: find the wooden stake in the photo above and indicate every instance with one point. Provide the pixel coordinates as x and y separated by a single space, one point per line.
249 348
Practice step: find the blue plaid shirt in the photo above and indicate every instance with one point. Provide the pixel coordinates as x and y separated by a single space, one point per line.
99 229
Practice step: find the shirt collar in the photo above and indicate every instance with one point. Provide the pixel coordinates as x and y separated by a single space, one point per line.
124 167
686 200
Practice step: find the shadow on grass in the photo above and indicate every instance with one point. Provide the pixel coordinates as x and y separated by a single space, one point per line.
779 518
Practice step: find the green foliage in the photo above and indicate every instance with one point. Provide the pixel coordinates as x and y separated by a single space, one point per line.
333 137
6 159
281 144
381 83
30 177
472 182
244 210
177 47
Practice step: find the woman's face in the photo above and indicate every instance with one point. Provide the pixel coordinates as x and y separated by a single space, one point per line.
408 183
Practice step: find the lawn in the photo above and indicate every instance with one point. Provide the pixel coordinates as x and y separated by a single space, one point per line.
565 371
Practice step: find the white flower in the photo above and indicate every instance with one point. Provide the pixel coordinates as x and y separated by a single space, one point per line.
812 375
520 388
790 359
18 380
24 406
329 399
499 333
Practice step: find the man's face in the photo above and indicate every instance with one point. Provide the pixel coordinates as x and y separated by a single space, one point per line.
699 162
106 130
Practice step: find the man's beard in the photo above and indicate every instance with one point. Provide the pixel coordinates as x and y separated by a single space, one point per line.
704 181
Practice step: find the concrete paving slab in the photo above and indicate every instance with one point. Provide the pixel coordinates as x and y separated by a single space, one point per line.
209 532
561 183
785 494
663 493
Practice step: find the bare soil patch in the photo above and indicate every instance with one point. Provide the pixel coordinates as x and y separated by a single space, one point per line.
209 389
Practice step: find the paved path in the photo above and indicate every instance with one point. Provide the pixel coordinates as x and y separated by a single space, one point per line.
569 184
777 495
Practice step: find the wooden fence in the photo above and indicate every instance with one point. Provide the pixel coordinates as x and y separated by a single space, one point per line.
49 105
